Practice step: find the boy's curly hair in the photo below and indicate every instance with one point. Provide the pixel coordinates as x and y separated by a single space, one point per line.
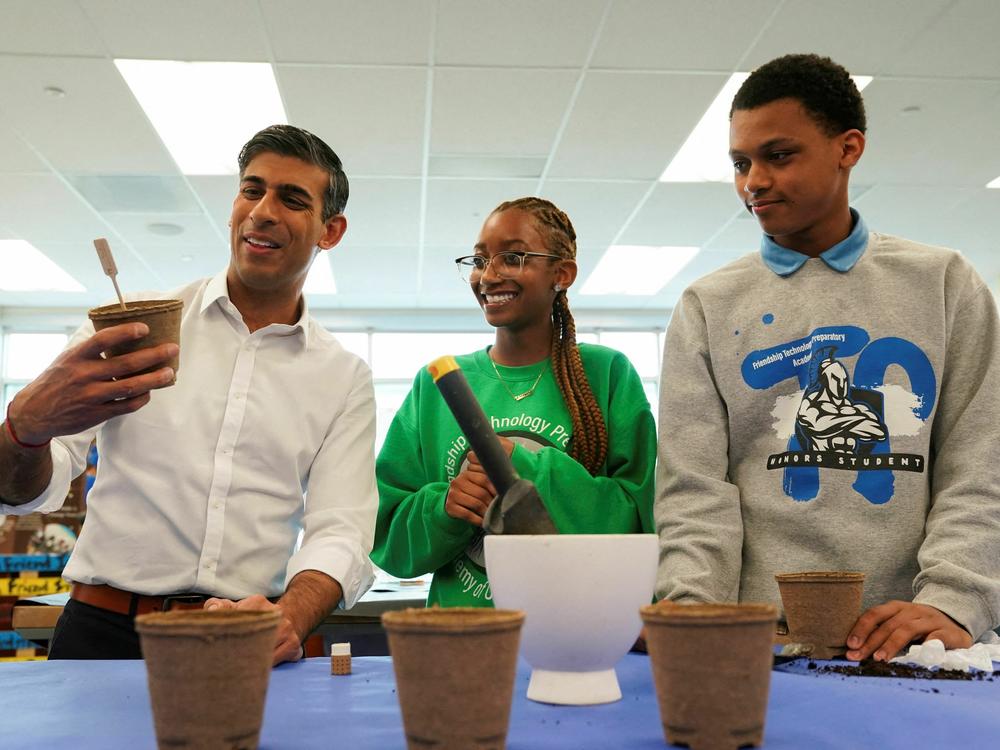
824 88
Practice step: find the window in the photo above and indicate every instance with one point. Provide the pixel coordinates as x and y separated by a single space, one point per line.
24 356
401 355
643 350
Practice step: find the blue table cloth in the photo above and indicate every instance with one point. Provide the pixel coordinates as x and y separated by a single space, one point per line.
105 704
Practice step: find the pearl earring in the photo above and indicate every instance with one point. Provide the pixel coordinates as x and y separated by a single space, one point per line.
557 288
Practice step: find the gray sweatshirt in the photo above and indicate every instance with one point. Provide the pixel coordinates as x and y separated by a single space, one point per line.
830 420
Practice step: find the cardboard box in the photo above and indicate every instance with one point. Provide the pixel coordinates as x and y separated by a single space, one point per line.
7 612
17 531
7 524
31 615
24 586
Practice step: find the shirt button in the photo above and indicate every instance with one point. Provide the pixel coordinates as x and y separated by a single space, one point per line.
239 396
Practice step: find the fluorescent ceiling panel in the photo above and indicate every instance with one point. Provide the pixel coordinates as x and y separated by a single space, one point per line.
27 269
994 183
205 111
637 269
704 157
320 278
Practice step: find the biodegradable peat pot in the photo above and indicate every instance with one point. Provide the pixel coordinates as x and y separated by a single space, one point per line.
208 673
454 674
163 316
712 670
581 594
821 607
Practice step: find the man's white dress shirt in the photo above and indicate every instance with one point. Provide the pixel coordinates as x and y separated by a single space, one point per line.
207 487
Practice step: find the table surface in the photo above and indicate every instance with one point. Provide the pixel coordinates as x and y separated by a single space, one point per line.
105 704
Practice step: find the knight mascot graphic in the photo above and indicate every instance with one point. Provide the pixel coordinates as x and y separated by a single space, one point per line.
834 417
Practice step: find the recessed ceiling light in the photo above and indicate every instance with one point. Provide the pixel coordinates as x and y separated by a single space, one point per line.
165 228
187 258
320 278
995 184
27 269
637 269
704 157
205 111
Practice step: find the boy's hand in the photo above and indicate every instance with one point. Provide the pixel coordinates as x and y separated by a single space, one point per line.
887 629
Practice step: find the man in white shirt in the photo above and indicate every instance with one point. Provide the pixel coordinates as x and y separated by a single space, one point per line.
203 488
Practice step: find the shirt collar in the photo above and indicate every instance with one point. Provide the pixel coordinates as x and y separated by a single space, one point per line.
217 290
841 257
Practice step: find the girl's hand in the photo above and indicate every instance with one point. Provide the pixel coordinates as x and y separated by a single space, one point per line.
470 494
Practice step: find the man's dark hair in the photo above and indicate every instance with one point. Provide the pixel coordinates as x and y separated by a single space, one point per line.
288 140
824 88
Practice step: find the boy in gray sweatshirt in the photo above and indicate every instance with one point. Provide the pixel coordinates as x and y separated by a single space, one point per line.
830 402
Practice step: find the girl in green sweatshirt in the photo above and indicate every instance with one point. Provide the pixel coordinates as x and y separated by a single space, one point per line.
574 418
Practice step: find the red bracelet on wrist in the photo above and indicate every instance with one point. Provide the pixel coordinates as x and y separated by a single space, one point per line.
13 435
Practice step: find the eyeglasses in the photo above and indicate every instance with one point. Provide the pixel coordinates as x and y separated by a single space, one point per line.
505 265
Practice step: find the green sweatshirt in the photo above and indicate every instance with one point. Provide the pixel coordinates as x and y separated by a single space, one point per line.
425 449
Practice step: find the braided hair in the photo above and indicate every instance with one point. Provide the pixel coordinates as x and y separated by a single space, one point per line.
589 444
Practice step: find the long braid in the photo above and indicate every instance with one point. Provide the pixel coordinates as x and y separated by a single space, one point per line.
589 444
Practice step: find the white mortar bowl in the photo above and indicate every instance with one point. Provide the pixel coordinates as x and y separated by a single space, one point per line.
581 594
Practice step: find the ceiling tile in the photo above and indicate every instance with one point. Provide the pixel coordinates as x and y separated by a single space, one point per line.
97 127
456 209
139 229
16 156
959 43
587 258
217 194
383 212
654 34
53 27
598 210
180 29
361 271
931 146
975 226
682 214
373 118
40 208
865 37
343 31
914 212
629 125
80 261
516 33
130 193
180 265
480 111
502 80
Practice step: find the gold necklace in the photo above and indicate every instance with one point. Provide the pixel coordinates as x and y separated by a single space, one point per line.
516 396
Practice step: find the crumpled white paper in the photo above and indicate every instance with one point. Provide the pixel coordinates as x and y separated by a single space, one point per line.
933 654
